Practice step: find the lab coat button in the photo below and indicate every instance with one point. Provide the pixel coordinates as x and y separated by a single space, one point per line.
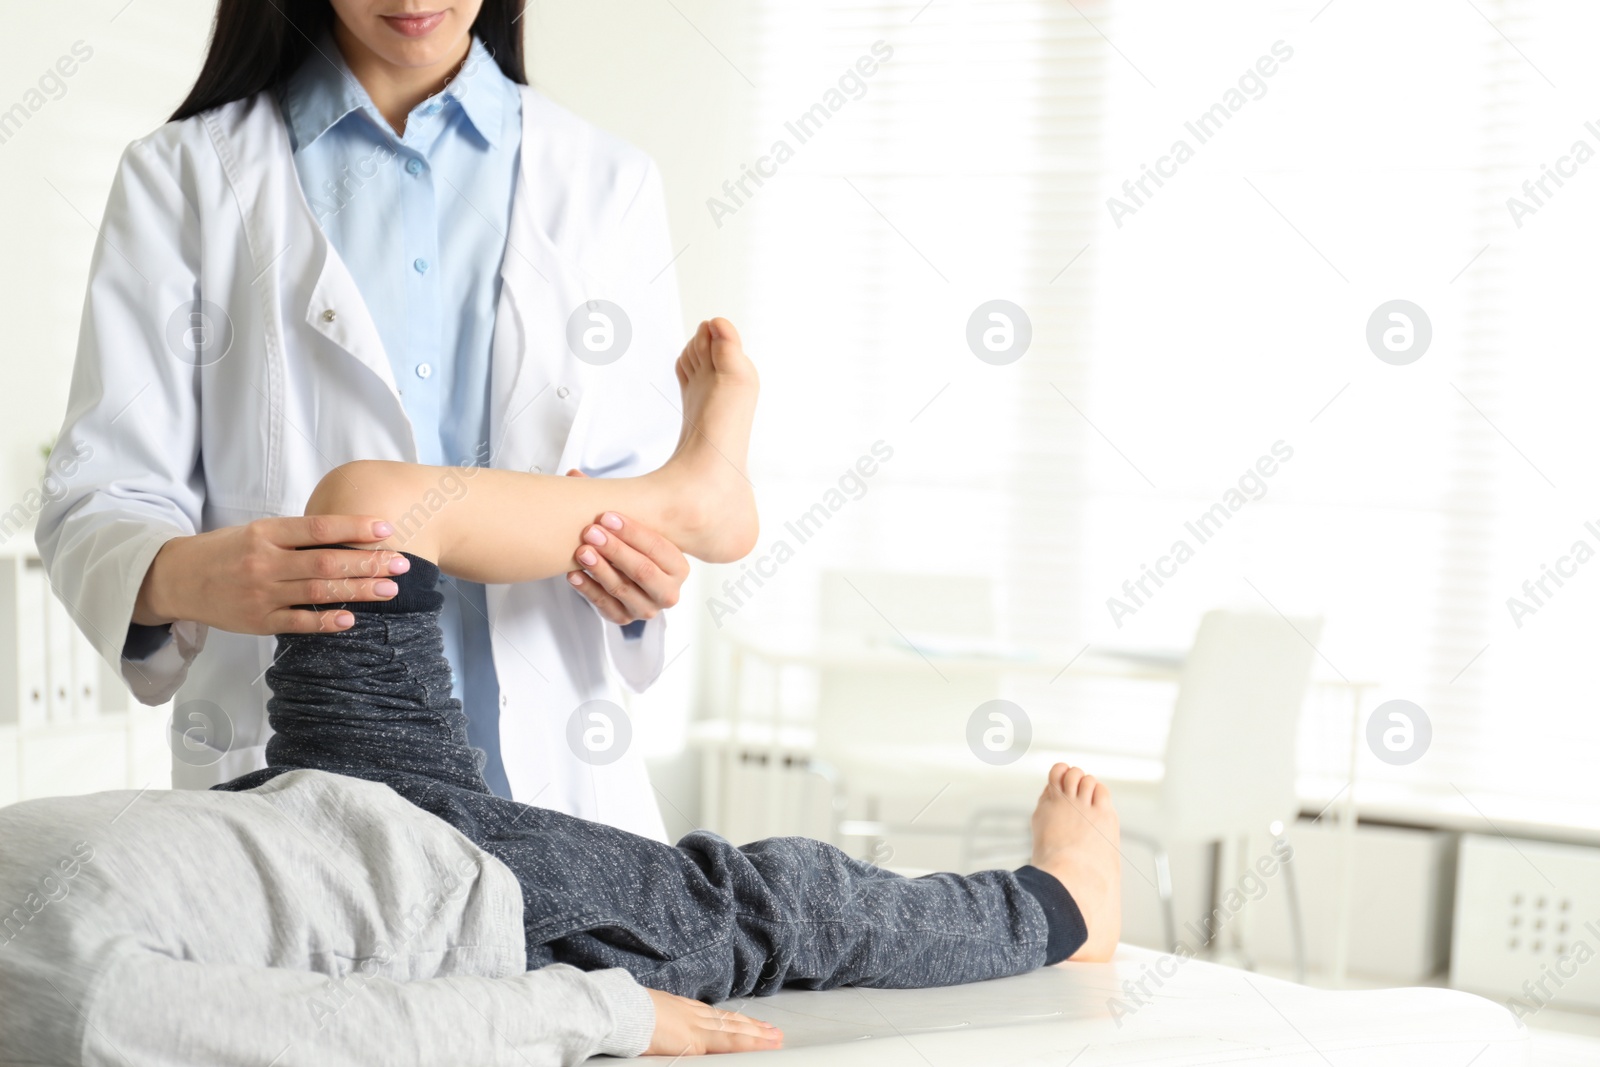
503 700
329 315
535 469
424 370
562 392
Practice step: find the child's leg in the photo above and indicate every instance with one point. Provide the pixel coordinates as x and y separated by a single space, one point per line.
703 919
489 525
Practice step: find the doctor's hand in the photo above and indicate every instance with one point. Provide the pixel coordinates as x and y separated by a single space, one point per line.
630 572
689 1028
248 578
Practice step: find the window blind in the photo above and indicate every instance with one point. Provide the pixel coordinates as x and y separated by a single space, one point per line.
1337 157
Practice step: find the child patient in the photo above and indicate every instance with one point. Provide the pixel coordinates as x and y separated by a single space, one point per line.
300 868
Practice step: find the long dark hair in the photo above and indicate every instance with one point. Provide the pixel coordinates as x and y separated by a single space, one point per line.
257 44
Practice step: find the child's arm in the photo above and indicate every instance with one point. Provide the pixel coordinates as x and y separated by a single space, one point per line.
145 1013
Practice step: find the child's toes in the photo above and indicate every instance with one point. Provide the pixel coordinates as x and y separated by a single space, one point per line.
725 348
720 329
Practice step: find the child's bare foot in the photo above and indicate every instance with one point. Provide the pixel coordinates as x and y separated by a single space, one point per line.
1075 835
713 496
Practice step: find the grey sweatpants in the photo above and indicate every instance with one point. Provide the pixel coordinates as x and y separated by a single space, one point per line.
703 919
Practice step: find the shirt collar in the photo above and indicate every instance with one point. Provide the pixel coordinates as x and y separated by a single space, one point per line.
323 91
481 89
320 93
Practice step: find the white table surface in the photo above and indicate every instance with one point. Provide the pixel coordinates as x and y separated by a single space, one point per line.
1202 1014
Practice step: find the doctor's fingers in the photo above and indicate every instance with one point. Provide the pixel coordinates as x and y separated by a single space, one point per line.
639 554
336 591
610 608
301 621
658 549
297 531
637 603
337 565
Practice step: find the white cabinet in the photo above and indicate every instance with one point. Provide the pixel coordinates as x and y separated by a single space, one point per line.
1403 882
1527 923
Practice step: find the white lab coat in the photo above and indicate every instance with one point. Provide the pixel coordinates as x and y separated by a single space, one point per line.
211 208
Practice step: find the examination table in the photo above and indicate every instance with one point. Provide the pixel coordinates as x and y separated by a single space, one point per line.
1080 1014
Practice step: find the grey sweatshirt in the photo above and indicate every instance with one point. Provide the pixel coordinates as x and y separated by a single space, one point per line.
316 920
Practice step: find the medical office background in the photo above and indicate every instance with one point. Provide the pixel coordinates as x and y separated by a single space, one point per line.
1200 221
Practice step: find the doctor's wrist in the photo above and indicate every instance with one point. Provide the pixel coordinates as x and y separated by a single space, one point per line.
155 605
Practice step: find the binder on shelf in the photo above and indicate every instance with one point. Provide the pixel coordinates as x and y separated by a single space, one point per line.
86 691
59 632
24 690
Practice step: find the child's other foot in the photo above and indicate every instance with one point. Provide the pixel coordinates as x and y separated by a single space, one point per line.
714 498
1075 836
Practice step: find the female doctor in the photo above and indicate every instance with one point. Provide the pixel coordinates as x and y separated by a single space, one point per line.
363 236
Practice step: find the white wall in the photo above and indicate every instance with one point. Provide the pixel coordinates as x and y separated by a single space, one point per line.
55 172
655 77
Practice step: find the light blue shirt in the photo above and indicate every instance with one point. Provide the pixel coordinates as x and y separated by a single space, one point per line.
420 220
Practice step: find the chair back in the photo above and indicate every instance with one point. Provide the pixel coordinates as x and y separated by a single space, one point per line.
1230 759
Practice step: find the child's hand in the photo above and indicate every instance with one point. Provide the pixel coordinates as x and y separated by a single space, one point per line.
689 1028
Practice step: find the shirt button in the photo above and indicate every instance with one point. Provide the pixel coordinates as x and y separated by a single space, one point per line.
413 166
562 392
421 265
535 469
424 370
504 700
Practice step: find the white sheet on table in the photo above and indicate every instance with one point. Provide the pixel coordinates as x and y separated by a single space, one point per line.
1203 1014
